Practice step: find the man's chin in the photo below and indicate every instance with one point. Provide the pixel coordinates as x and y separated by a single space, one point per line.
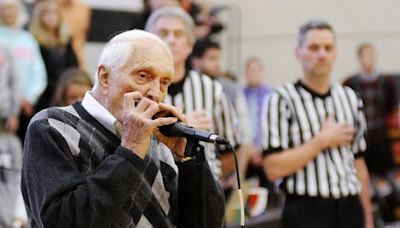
177 60
323 71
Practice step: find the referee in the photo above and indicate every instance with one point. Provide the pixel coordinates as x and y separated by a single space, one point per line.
201 98
313 138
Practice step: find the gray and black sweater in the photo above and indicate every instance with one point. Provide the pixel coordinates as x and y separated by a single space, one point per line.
76 174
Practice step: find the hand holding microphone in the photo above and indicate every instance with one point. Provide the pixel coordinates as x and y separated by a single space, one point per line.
143 117
177 145
139 124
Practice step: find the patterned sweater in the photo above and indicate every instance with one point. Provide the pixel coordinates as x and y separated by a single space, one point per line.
379 97
75 174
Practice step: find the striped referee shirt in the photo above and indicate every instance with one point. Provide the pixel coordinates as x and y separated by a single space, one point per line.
201 93
293 115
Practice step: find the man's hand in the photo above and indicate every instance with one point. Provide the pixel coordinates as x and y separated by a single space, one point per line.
199 120
334 134
175 144
138 124
256 157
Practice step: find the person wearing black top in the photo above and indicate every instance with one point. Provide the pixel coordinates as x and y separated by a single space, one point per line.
55 46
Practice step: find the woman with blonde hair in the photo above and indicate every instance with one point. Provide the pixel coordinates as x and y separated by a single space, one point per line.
55 45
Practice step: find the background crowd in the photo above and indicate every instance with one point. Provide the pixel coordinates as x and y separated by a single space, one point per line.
42 64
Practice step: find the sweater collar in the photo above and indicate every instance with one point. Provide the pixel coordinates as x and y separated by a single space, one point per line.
99 112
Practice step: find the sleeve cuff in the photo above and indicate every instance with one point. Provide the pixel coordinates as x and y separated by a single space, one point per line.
359 155
133 158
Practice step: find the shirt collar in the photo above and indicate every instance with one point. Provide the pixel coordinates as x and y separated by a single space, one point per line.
177 87
99 112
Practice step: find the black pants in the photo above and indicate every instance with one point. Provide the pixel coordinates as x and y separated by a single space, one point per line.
309 212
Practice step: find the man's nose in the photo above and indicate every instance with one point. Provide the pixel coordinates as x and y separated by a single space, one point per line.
154 93
169 38
322 53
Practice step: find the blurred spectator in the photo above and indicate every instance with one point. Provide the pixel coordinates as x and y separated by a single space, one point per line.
12 211
9 99
154 5
378 95
202 22
55 45
76 15
71 87
207 21
148 7
206 59
27 59
255 92
205 18
191 7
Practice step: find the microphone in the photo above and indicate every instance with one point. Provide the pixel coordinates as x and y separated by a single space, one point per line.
178 129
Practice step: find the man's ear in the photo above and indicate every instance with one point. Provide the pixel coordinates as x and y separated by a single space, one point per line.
103 76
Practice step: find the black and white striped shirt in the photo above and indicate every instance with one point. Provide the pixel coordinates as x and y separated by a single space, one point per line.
200 92
292 115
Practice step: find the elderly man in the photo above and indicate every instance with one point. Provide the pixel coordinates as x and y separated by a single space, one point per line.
102 162
314 139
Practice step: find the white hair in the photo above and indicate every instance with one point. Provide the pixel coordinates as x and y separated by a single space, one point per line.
22 15
120 48
174 12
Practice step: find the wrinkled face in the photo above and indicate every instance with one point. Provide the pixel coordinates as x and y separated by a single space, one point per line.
317 53
211 62
149 70
254 74
368 59
8 14
75 92
49 18
173 31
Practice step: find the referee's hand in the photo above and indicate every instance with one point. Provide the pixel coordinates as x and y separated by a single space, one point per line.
335 134
200 120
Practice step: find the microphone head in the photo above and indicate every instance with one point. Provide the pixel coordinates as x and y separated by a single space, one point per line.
218 140
177 129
